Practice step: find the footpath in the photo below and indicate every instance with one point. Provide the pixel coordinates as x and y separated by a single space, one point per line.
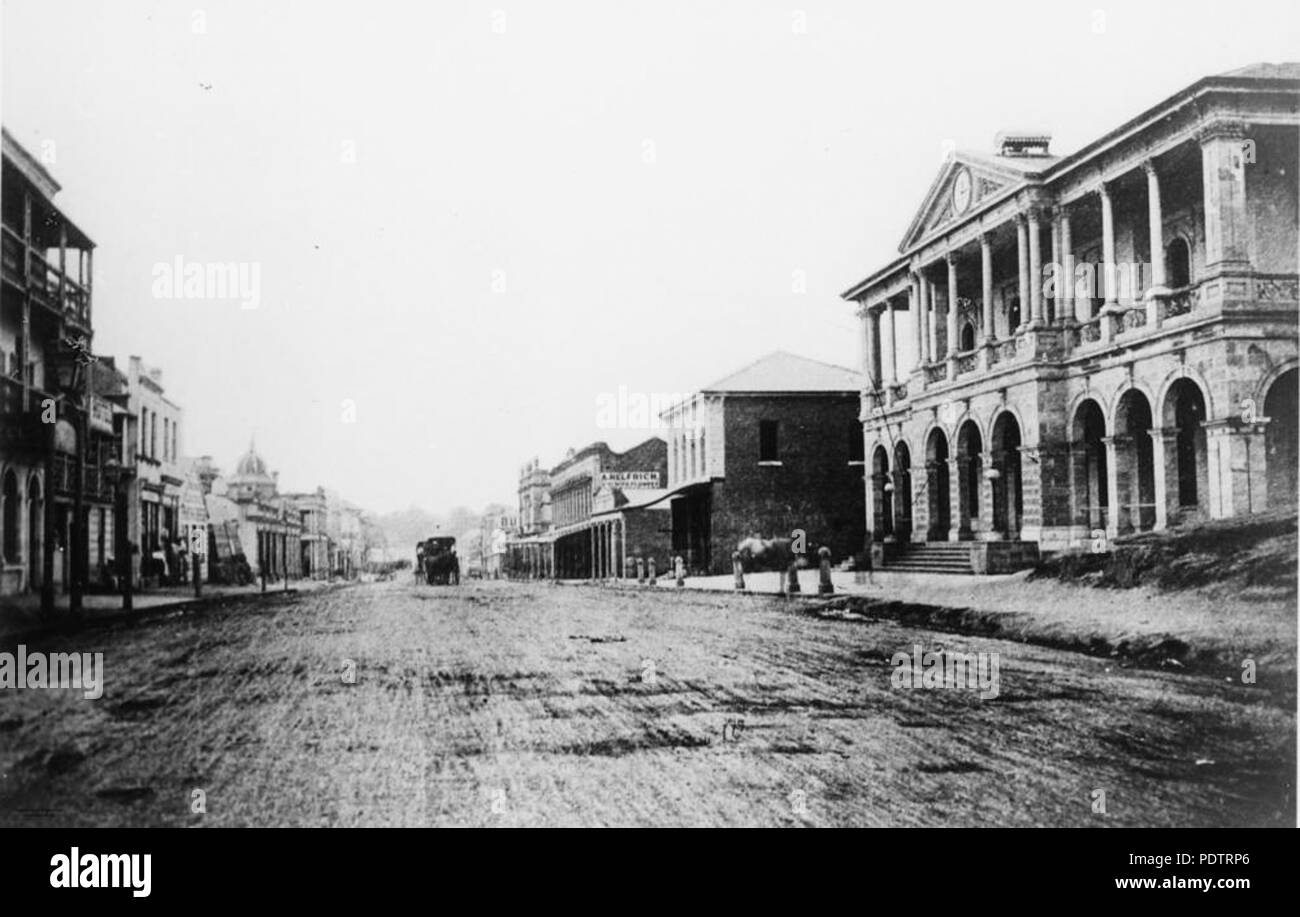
22 614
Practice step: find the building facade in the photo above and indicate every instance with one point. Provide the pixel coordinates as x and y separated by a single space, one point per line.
528 549
316 548
58 440
766 451
587 544
154 507
269 525
1101 342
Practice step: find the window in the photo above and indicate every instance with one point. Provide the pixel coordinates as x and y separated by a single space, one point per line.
767 441
166 437
1178 272
10 515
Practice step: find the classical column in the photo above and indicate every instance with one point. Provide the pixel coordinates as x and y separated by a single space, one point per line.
1162 449
1127 483
1155 221
952 305
1107 247
1155 231
932 321
869 342
963 518
1223 174
893 342
1035 269
923 317
1112 486
1066 311
1058 276
986 496
1022 263
914 307
986 284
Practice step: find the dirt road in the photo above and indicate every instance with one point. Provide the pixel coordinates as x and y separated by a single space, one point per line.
519 704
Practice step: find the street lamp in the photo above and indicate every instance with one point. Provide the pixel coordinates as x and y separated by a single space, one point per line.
67 360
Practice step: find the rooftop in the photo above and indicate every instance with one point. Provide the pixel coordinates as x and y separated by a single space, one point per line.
786 372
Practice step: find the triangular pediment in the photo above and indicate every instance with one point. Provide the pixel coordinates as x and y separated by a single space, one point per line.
946 203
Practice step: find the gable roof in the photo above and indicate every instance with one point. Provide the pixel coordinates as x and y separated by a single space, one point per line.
785 372
1288 70
1024 170
991 175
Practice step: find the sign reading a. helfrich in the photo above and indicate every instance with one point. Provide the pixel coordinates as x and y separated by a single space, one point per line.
630 480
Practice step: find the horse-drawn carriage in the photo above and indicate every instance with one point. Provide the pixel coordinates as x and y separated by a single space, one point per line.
436 559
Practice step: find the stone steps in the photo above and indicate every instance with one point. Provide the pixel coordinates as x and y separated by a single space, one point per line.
930 557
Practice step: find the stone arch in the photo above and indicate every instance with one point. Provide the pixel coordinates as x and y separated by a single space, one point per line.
938 488
1089 472
902 490
1008 507
968 337
1178 261
882 489
1112 404
1281 451
970 473
1183 413
1132 421
1183 372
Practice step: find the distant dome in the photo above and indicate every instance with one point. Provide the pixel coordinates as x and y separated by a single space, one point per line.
251 465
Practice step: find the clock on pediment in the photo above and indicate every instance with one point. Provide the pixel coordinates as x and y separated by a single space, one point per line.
961 192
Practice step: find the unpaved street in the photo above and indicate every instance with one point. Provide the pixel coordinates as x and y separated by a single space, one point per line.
519 704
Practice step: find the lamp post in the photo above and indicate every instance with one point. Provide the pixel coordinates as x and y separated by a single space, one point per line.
74 387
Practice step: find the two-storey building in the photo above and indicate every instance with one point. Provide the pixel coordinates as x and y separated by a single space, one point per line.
770 450
1100 341
55 428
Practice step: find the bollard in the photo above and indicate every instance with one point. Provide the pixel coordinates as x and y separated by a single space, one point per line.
739 571
650 573
679 568
824 585
792 588
640 571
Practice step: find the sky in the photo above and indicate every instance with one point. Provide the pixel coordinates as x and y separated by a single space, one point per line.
471 221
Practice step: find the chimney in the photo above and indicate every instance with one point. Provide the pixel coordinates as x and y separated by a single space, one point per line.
1014 144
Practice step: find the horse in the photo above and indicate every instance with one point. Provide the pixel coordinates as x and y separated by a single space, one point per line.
757 554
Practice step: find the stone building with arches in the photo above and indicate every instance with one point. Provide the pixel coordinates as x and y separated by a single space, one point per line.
1099 342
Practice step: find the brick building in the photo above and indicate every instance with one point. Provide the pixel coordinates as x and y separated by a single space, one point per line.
772 448
590 511
1101 341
